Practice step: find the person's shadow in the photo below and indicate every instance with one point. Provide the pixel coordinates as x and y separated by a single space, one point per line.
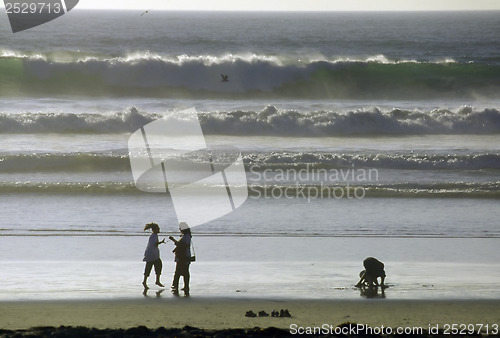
157 293
372 291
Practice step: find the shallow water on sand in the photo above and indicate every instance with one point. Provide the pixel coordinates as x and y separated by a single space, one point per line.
107 267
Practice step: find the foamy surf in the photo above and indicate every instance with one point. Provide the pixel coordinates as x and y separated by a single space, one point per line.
271 121
251 76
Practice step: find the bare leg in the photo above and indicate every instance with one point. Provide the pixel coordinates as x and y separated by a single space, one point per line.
158 281
158 267
147 271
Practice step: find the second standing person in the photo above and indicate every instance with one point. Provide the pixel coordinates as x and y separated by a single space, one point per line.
182 253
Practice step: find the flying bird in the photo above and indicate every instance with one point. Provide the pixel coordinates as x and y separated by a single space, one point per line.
225 78
145 12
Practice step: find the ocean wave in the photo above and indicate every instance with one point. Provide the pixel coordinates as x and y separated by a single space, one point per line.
373 121
144 74
409 161
403 190
269 191
208 60
68 187
118 161
65 162
120 122
271 121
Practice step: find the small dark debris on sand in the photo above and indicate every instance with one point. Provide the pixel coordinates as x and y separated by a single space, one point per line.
187 331
139 332
283 313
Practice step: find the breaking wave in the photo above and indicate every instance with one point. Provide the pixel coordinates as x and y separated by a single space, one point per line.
250 76
271 122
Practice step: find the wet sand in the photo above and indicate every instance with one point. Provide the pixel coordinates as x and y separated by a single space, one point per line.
221 314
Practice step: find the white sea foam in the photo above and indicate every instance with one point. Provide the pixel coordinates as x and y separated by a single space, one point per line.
272 121
145 73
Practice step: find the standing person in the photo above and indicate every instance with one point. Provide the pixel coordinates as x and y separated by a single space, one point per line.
182 253
152 255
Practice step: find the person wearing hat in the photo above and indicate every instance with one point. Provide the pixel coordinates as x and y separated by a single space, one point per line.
182 253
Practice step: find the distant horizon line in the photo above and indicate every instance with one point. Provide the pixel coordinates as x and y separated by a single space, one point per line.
295 11
286 10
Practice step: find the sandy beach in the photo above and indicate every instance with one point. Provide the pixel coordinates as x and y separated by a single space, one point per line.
219 314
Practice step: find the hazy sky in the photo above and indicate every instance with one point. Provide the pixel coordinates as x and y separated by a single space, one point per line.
297 4
311 5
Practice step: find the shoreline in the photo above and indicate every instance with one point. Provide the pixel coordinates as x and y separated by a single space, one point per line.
229 313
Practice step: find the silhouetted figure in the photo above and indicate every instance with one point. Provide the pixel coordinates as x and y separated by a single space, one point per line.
373 270
152 255
225 78
182 253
